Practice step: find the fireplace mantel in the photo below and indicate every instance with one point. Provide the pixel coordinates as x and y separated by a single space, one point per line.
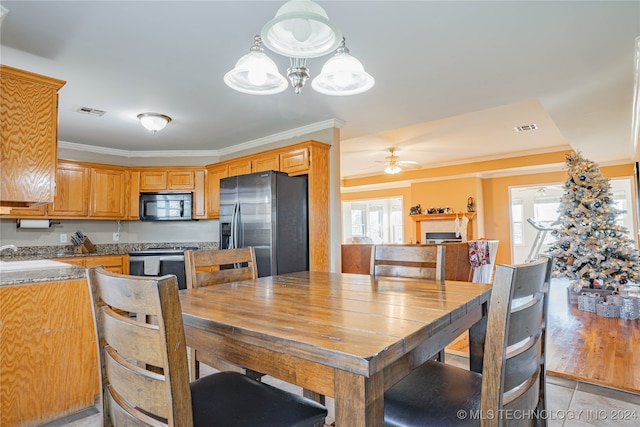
442 217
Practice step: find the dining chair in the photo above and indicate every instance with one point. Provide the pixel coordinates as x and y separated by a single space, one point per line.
208 267
511 388
415 261
144 372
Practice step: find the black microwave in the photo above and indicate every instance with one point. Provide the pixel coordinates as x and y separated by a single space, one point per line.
165 206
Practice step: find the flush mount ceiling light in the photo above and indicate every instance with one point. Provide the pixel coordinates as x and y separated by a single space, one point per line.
153 122
300 30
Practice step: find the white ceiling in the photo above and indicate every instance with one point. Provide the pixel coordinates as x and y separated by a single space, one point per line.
452 78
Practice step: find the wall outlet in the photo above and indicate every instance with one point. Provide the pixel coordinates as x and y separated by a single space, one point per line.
63 238
116 237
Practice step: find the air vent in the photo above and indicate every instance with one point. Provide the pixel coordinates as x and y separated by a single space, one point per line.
91 111
526 127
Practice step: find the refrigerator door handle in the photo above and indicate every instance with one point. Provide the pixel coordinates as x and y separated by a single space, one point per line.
239 230
232 224
235 225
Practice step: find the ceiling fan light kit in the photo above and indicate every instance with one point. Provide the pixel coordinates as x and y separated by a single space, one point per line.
300 29
394 164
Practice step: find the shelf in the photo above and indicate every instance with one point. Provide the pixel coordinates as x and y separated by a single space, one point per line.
452 216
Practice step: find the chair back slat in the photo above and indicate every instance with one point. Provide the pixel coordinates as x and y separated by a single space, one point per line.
139 387
144 370
526 320
413 261
522 364
133 340
121 414
513 365
523 403
206 267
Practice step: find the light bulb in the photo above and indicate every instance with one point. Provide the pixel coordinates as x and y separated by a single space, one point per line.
342 78
301 29
257 75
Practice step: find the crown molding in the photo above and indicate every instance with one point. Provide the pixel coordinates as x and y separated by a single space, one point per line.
303 130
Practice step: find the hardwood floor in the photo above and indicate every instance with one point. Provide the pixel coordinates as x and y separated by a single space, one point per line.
586 347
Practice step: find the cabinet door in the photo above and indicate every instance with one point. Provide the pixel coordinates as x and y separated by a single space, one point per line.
199 195
180 180
267 163
134 195
295 161
28 137
153 180
35 211
108 193
72 191
214 175
114 263
240 167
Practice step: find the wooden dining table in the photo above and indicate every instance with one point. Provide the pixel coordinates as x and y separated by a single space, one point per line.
348 336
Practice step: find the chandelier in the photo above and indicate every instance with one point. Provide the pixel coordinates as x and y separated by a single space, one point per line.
300 30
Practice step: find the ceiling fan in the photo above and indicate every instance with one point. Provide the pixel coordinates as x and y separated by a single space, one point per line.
395 165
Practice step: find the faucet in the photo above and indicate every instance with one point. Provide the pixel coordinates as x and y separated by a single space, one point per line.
14 248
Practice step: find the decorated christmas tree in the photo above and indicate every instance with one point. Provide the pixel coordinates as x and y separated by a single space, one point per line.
591 249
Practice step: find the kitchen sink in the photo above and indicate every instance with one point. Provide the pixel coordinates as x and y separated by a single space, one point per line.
35 264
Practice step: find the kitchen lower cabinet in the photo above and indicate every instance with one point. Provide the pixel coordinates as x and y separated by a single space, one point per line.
113 263
48 351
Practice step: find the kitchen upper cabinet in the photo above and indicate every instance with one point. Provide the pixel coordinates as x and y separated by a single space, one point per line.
152 180
295 162
108 196
214 175
72 191
28 137
269 162
239 167
200 195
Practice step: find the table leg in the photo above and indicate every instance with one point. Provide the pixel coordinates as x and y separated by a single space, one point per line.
359 401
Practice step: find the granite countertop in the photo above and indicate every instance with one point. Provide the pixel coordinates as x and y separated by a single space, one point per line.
75 272
17 277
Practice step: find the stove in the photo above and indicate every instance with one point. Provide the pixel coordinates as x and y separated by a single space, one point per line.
161 251
159 262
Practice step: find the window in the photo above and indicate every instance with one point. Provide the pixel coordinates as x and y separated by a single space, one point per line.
372 221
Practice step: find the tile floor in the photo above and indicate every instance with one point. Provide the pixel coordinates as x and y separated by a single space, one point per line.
570 403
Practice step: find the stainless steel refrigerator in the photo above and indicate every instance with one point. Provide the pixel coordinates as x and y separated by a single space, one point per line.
269 211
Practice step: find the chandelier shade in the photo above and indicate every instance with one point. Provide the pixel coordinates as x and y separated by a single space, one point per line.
343 75
392 169
301 29
255 73
153 122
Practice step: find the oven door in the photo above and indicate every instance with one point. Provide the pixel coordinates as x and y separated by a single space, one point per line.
158 265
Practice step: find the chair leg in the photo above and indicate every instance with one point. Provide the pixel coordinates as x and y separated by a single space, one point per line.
194 366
